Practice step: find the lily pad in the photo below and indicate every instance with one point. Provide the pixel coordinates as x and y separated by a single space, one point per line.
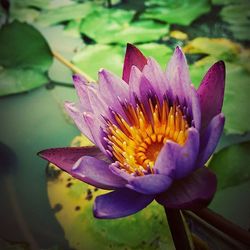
20 80
94 57
23 63
238 17
65 13
26 3
24 14
232 165
176 12
160 52
222 48
116 26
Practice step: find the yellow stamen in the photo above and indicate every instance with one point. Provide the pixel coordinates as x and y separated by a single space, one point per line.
138 138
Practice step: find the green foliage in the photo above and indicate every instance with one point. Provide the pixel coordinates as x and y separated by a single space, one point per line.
160 52
65 13
238 17
24 57
116 26
232 165
100 56
176 12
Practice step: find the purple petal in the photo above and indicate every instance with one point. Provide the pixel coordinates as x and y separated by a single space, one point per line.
156 77
81 85
98 104
114 167
192 192
150 184
211 92
94 126
178 77
134 57
112 88
65 158
76 113
120 203
97 173
176 160
139 85
210 139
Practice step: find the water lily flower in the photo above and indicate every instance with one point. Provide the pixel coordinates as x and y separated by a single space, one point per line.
153 133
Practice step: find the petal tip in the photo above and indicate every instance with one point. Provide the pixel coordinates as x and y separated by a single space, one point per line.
96 211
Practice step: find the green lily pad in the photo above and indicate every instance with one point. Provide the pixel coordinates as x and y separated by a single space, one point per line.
176 12
238 17
23 63
225 2
65 13
160 52
116 26
26 3
221 48
24 14
94 57
232 165
20 80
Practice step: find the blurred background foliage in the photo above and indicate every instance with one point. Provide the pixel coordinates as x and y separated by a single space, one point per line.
92 35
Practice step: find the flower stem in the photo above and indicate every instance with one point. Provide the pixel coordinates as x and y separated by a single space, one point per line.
177 229
224 225
71 66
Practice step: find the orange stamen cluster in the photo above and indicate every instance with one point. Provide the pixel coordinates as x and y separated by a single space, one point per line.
136 142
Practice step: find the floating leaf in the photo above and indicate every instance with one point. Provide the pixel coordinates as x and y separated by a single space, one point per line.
94 57
217 47
238 17
160 52
176 12
65 13
20 80
225 2
24 14
23 62
115 26
26 3
232 165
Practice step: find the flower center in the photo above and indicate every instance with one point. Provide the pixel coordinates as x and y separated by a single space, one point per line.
137 138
